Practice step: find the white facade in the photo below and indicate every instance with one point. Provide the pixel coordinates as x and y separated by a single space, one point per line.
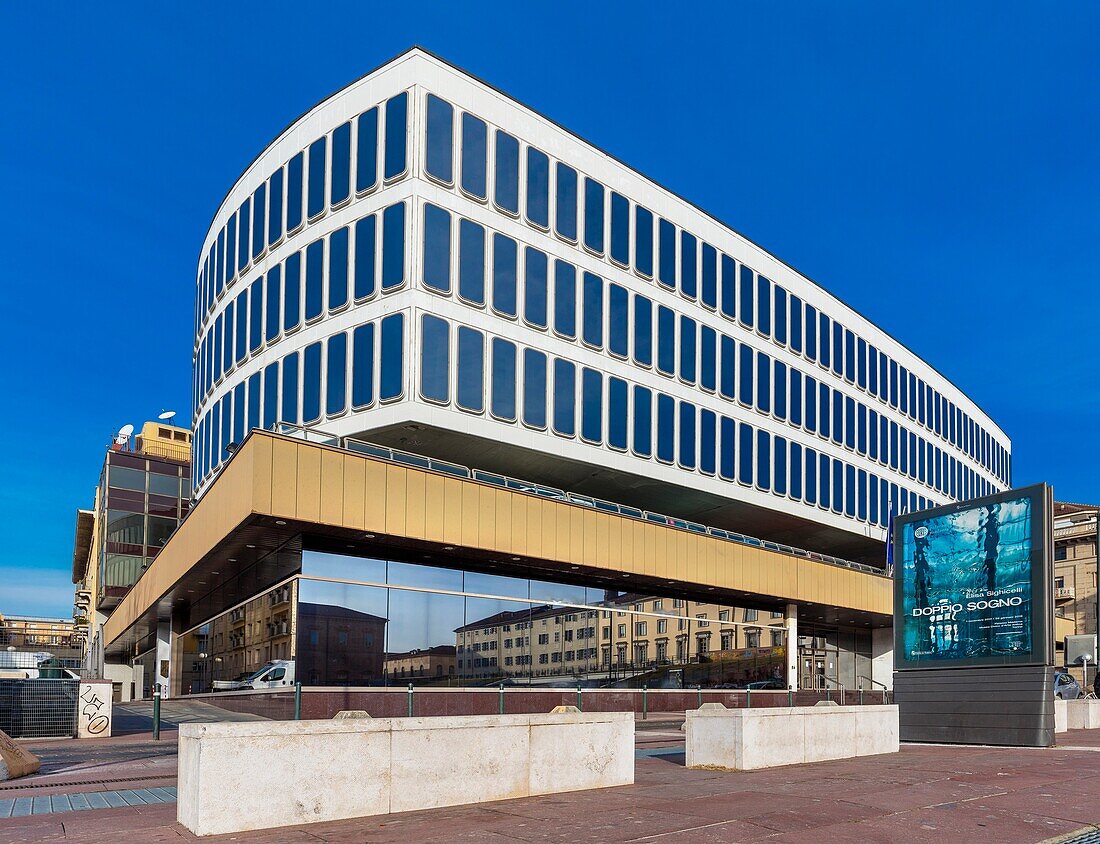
954 449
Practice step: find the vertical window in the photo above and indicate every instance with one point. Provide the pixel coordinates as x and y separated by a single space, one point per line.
229 246
729 288
796 471
338 269
364 257
643 330
256 314
727 436
565 299
620 229
311 383
275 213
336 374
244 221
872 371
470 386
242 327
763 460
861 363
592 333
746 307
763 383
666 242
744 453
708 295
534 287
824 409
366 150
838 486
340 188
689 257
591 405
290 389
666 424
707 442
795 394
811 404
643 422
439 148
362 366
824 482
779 465
504 275
253 401
796 324
538 188
708 350
811 331
779 390
565 398
534 388
259 219
435 359
823 357
565 215
838 349
437 248
616 413
315 195
728 383
471 262
849 422
688 339
391 382
666 340
475 150
643 241
810 489
315 271
227 348
763 305
618 321
593 215
744 376
780 312
393 246
396 114
687 435
504 381
849 356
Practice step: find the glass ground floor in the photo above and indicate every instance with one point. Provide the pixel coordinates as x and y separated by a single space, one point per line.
353 621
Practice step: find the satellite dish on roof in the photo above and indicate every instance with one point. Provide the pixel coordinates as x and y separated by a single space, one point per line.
123 435
166 416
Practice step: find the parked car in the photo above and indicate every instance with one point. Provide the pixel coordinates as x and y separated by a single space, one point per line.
1065 686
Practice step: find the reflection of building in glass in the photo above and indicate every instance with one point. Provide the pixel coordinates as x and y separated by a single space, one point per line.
436 663
1075 565
339 647
32 634
242 640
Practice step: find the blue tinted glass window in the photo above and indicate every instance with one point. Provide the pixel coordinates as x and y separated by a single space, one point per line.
471 262
620 229
796 324
534 388
666 424
227 349
391 381
393 246
744 453
811 404
336 374
593 215
439 152
366 150
437 248
506 177
538 188
747 308
362 366
435 359
838 348
256 314
824 465
825 409
687 349
727 437
779 391
565 299
315 271
872 434
849 422
643 422
707 441
744 375
780 312
565 216
810 323
242 327
470 383
315 195
838 486
708 349
616 413
340 189
729 287
396 114
475 151
763 383
873 372
565 397
504 381
810 488
687 435
275 212
364 257
593 310
504 275
218 354
763 460
666 340
254 401
311 383
591 405
849 355
338 269
643 241
294 171
289 410
779 464
823 356
796 471
534 287
763 305
244 223
838 418
618 321
227 264
708 295
861 362
689 258
643 330
666 270
727 384
796 397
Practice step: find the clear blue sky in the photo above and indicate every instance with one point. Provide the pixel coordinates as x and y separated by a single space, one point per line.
936 166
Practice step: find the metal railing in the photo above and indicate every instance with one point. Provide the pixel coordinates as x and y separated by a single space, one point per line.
446 467
38 708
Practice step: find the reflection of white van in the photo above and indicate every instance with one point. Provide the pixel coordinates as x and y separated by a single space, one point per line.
278 672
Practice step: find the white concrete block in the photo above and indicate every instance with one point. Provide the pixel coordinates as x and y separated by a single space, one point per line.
94 709
564 758
1083 714
1061 715
877 730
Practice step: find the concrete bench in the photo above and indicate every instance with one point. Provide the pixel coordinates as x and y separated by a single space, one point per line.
259 775
1083 714
748 739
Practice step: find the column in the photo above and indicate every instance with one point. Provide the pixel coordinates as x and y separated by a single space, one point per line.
882 657
791 616
162 667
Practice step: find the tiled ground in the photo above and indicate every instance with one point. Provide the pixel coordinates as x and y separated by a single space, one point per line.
923 794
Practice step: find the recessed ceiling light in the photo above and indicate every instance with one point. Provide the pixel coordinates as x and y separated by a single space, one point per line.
368 536
626 575
574 567
250 546
351 546
448 548
217 572
515 558
280 522
232 559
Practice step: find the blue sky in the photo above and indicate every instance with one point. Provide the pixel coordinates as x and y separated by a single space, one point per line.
934 166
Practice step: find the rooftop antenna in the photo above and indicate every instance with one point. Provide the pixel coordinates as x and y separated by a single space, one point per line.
123 435
166 415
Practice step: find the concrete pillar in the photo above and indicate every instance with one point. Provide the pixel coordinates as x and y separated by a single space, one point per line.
791 616
882 657
162 669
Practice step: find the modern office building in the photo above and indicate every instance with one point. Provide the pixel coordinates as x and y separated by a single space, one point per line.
422 290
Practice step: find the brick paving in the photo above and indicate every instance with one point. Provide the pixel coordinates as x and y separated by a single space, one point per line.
926 793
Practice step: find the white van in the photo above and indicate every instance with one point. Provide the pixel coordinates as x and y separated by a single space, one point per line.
278 672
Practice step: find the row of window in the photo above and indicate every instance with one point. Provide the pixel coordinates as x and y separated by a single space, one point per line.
582 211
344 163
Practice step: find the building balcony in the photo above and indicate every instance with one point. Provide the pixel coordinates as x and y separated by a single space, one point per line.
1064 593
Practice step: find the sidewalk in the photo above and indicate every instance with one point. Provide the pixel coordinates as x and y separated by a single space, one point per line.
924 794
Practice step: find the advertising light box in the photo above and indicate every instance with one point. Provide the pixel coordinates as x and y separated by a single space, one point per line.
972 583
